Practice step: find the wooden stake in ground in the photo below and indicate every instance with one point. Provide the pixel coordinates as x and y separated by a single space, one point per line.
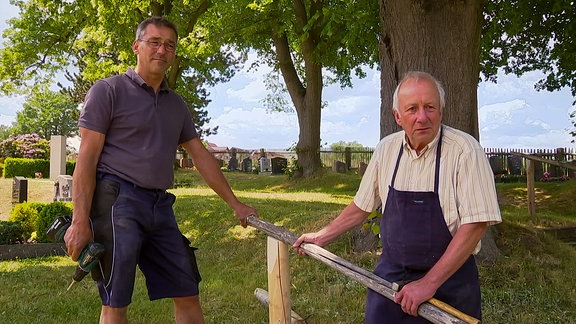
278 281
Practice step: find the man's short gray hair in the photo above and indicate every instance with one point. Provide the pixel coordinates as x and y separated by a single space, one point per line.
419 75
156 21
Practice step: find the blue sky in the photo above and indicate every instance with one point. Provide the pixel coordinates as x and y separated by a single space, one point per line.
511 113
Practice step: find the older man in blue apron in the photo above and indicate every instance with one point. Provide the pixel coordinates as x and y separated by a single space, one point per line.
438 193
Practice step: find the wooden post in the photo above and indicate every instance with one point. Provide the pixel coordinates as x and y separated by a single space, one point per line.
530 186
278 282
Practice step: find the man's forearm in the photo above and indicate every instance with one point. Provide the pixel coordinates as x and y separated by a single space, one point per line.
458 251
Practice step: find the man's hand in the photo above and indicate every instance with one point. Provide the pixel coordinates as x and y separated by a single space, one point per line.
413 294
313 238
77 237
242 211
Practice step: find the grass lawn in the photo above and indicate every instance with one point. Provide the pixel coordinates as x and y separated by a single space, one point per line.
530 283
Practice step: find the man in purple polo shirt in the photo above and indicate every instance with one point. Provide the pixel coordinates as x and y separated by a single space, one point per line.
131 125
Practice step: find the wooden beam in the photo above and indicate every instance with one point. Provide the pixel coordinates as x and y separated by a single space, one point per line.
564 164
263 296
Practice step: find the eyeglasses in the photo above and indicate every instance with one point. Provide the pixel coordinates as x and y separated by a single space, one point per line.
155 45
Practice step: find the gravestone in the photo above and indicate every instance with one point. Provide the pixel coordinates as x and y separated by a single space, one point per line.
246 165
279 164
63 188
339 167
264 165
57 156
515 164
186 163
362 168
233 162
497 164
19 190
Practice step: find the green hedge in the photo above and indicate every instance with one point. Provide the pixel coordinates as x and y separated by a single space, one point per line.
11 233
25 167
29 167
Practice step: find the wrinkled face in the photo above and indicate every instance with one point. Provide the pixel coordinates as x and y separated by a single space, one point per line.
155 50
420 113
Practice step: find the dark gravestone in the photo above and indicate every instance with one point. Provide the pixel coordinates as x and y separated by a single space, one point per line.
497 164
515 164
19 190
362 168
339 167
233 162
279 164
538 170
246 165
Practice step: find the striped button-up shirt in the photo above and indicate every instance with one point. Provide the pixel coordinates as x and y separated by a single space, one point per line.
466 188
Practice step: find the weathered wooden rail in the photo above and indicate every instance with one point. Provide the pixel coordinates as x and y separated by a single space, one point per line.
279 297
530 175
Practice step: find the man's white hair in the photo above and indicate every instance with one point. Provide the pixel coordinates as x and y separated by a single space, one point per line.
419 75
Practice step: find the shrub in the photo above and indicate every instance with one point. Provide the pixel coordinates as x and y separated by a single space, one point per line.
11 233
29 146
25 167
47 216
26 213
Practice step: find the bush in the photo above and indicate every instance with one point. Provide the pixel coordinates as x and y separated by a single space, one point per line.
11 233
47 216
25 167
29 146
26 213
70 166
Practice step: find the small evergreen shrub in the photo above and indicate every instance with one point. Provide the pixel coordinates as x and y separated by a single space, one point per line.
27 214
47 216
11 233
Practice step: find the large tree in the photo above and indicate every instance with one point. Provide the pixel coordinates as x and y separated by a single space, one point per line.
46 113
440 37
310 42
461 41
92 40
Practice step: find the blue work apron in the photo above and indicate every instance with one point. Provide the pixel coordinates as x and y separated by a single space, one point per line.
414 236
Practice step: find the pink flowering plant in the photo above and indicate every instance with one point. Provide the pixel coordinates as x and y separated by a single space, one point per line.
29 146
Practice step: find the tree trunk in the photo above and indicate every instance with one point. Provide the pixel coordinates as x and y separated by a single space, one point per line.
307 98
442 38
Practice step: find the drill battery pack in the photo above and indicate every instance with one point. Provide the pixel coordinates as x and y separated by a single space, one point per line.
57 230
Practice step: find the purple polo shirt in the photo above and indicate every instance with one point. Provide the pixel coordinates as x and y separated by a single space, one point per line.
142 129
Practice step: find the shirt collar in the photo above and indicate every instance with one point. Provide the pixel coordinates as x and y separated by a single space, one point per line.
428 148
138 79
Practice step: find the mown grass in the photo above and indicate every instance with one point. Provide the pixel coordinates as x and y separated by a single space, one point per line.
530 283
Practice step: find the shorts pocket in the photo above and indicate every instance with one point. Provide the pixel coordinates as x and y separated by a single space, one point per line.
192 256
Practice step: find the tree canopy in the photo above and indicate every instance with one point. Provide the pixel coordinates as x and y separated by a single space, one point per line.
525 35
92 39
46 113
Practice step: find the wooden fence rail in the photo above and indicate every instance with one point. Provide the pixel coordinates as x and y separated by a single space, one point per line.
502 160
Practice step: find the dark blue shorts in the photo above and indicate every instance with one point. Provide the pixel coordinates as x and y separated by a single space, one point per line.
138 228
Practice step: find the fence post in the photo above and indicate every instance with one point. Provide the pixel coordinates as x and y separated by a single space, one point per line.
348 158
280 307
530 186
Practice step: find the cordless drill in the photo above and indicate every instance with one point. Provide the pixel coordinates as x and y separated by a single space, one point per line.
88 257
